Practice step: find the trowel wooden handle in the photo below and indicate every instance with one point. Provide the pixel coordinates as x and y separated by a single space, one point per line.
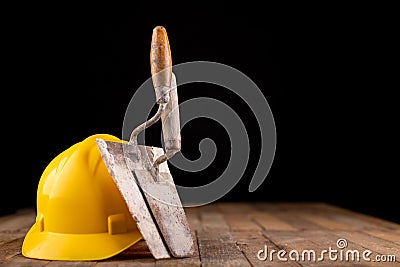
160 61
171 122
166 92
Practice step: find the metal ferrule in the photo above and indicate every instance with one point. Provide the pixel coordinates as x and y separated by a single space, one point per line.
162 94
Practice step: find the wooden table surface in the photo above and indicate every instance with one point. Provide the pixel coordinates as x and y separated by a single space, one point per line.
232 234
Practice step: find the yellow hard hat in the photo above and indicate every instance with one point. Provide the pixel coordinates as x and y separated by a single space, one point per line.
80 212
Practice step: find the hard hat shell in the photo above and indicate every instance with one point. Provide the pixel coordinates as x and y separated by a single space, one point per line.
81 214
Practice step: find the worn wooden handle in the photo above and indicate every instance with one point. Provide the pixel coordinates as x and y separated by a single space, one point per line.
160 58
165 86
171 122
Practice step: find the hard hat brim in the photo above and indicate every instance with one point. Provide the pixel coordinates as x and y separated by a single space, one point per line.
76 247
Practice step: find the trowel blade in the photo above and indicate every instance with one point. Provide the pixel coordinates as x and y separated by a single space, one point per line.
112 154
165 204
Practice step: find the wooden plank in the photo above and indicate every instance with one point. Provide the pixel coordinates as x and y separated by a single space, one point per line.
212 219
288 241
234 208
207 208
393 236
251 242
193 218
20 261
19 222
317 241
238 222
151 262
352 221
323 220
292 218
145 262
269 221
218 249
7 237
343 219
233 233
328 239
10 249
71 263
376 223
314 240
330 211
137 255
379 245
288 214
266 206
189 262
215 244
367 221
324 216
140 250
238 216
289 206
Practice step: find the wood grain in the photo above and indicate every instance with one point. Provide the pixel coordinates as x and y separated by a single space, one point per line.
10 249
241 220
269 221
231 234
393 236
17 223
20 261
217 248
251 242
160 58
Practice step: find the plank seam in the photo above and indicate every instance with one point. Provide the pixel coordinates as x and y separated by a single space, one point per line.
198 246
244 254
257 223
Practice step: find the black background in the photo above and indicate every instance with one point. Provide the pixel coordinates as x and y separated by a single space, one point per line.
327 72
